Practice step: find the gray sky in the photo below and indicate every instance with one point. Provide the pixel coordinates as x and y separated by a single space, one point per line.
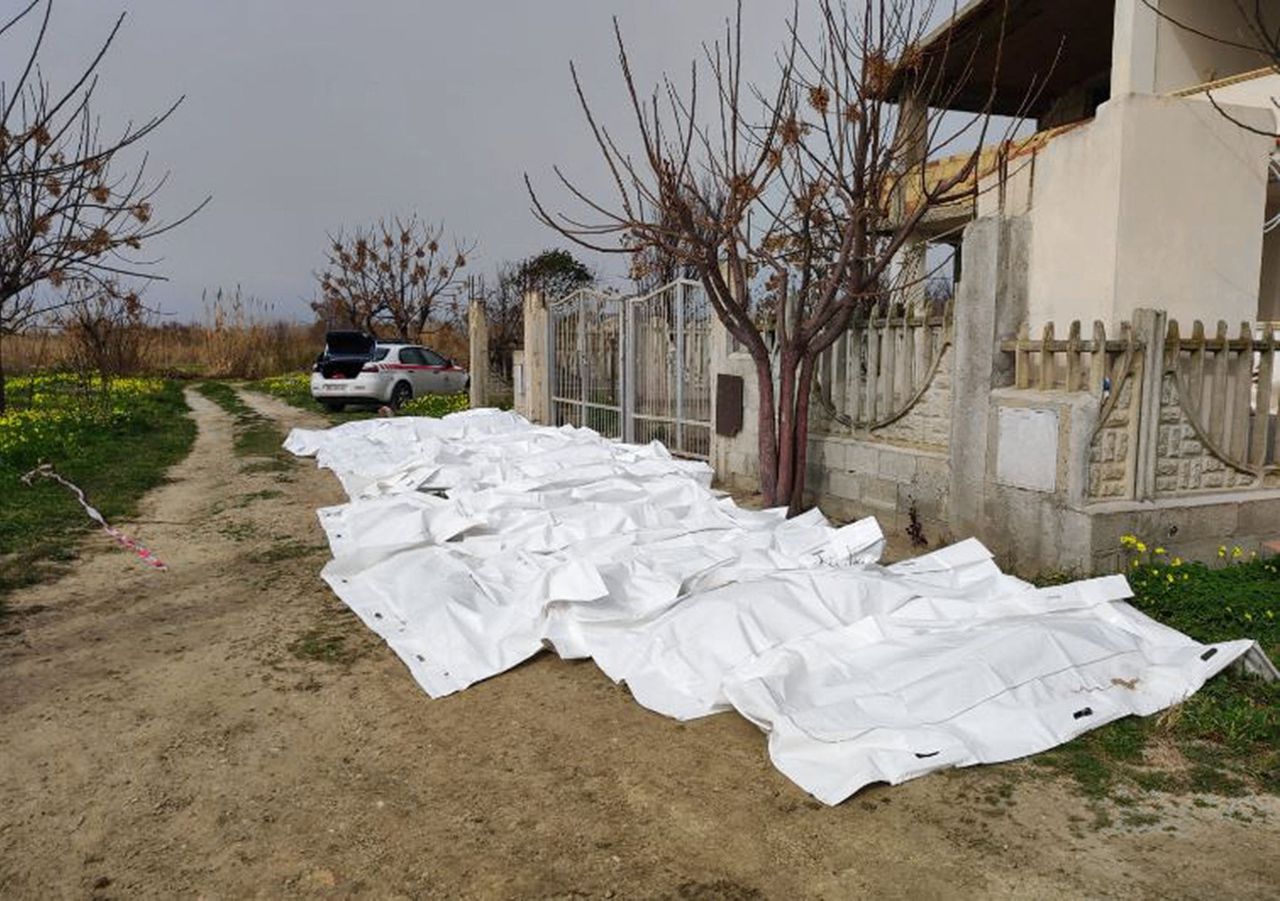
303 115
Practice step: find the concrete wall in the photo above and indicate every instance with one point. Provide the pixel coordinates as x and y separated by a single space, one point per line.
1156 203
1184 58
853 477
735 458
1259 93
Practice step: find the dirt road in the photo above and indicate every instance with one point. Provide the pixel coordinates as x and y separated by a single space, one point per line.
227 729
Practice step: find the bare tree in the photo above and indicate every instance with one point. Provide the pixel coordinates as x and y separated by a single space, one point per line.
791 204
71 210
651 266
108 331
392 273
553 273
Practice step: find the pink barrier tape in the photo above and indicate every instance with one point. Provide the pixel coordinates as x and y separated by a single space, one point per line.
144 554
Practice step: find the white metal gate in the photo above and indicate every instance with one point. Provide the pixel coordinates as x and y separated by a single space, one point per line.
669 369
637 369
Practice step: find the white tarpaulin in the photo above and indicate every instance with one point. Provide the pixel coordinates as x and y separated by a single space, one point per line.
472 542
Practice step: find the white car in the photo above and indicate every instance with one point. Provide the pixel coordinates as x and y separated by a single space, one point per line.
355 368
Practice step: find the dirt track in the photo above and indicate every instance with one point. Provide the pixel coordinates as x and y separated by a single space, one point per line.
160 736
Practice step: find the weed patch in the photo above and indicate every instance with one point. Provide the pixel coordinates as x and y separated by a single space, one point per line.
255 435
323 645
1225 739
295 390
115 441
286 550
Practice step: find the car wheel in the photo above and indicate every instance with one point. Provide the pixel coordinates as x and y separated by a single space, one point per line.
401 394
333 406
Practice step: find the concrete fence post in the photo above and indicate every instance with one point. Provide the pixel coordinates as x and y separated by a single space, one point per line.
990 305
478 335
1149 326
536 359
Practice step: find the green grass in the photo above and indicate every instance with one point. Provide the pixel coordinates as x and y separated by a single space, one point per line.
255 434
296 390
1224 740
324 645
116 455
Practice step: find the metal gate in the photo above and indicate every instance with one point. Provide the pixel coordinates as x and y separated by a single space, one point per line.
586 344
669 369
637 368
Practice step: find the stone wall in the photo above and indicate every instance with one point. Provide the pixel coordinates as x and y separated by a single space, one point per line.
928 423
1183 463
1111 459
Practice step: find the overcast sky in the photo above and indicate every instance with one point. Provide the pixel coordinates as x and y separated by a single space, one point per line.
304 115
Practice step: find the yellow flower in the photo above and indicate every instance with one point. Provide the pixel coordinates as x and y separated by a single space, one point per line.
1176 561
1142 547
1222 550
1236 553
1159 550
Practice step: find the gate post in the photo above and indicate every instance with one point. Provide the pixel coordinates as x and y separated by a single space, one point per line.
628 345
681 294
478 333
537 361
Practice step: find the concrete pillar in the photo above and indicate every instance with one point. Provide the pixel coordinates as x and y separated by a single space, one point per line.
478 333
1133 48
912 268
911 146
990 306
1150 326
536 359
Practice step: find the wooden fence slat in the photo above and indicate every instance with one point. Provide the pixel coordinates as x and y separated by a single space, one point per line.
1098 358
1073 356
888 359
1262 403
1046 378
909 367
1219 387
1242 391
1022 358
873 373
853 373
840 371
1195 383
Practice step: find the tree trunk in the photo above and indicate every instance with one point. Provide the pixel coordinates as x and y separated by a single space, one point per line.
786 427
767 426
804 394
4 398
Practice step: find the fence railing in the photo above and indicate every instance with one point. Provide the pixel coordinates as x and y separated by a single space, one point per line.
881 366
1221 393
1228 387
1074 363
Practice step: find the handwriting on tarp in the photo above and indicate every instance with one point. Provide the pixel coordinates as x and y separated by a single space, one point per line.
144 554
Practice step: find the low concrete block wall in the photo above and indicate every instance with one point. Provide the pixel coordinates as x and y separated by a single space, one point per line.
850 478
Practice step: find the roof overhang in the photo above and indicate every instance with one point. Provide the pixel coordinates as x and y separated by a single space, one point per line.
1017 55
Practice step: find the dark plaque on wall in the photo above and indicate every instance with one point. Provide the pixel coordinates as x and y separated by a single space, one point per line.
728 405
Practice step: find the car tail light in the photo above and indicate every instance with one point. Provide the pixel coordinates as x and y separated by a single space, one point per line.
371 367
